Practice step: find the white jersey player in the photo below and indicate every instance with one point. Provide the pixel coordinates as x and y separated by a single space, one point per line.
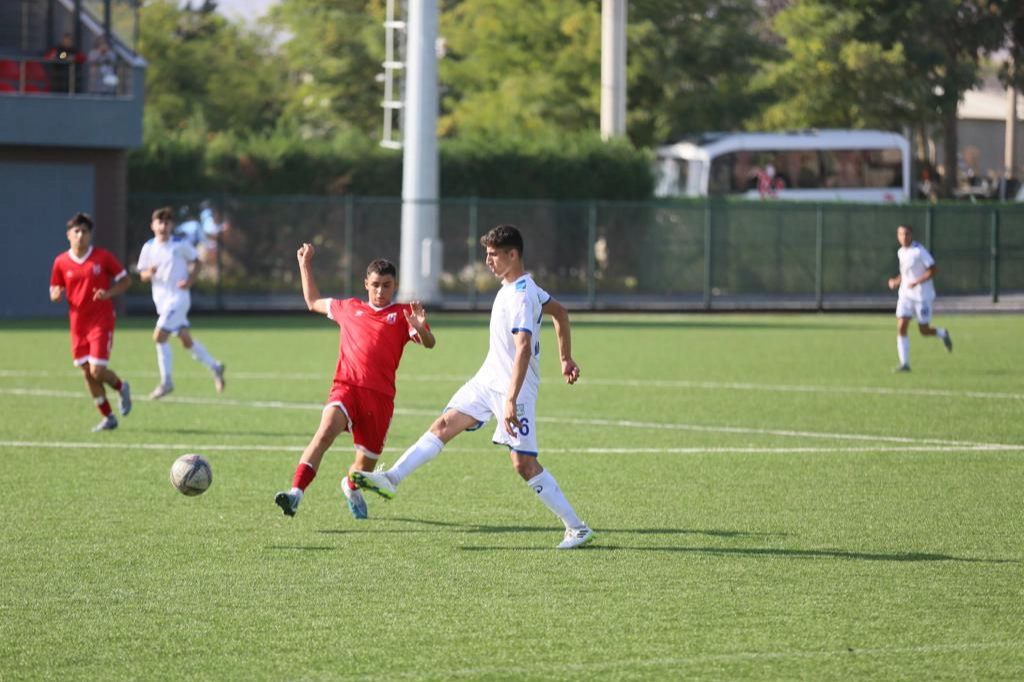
505 387
916 295
171 264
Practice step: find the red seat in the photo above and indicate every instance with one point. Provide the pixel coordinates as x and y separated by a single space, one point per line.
36 74
7 87
9 70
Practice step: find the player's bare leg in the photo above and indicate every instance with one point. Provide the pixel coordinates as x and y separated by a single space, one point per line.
332 423
109 377
927 330
94 384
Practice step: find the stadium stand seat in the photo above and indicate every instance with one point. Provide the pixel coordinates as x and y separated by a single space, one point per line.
36 78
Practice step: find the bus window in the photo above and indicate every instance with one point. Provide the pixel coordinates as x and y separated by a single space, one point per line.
883 168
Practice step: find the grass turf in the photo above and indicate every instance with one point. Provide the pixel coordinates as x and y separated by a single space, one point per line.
771 503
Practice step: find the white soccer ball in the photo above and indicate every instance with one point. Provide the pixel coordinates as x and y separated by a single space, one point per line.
191 474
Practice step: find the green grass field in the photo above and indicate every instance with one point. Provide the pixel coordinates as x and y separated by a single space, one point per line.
771 502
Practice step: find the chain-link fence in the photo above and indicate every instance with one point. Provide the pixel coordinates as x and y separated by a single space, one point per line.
696 255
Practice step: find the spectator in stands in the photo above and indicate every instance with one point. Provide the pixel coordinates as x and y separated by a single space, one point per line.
102 68
65 65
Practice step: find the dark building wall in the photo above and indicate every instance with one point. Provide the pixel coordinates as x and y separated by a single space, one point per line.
42 188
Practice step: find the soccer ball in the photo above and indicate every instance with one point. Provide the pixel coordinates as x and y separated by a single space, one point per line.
191 474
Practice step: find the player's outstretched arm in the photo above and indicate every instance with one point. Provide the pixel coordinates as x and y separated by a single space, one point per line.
55 293
418 321
563 332
309 289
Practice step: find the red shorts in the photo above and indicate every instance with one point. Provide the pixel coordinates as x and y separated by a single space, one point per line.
93 345
369 415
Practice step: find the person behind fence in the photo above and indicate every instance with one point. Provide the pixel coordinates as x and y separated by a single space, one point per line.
66 64
505 387
916 295
102 66
171 265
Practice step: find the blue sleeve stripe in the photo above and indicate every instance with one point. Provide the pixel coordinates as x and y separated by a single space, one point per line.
516 330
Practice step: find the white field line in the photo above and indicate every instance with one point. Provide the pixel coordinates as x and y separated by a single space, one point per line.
221 447
671 664
614 423
624 383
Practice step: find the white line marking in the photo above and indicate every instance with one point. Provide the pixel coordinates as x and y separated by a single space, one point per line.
626 383
575 421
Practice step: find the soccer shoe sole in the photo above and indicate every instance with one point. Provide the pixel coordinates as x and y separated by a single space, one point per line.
363 483
284 502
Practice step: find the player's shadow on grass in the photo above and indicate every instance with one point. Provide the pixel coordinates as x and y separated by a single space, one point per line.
764 552
492 530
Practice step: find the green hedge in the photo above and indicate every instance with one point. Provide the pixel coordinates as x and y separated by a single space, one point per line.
580 167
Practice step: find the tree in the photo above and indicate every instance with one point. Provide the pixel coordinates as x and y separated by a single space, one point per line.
334 50
203 67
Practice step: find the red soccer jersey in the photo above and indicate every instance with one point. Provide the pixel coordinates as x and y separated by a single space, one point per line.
80 279
371 343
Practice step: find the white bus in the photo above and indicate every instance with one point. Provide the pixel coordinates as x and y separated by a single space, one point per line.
807 165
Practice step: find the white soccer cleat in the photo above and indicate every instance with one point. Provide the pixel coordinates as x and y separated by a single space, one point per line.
125 398
109 423
160 391
576 537
218 377
355 499
374 481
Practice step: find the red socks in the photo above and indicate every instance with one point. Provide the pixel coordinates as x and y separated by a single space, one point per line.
304 475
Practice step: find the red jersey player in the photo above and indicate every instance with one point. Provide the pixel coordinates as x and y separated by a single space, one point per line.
90 277
362 398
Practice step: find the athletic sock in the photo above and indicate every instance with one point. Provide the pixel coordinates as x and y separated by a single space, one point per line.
103 406
164 362
903 349
546 487
422 451
117 385
200 353
304 475
941 332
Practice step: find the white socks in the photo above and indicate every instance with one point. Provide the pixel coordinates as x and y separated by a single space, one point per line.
200 353
903 349
164 362
941 332
422 451
546 487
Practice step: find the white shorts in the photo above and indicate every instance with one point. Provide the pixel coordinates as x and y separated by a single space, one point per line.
922 310
174 318
481 403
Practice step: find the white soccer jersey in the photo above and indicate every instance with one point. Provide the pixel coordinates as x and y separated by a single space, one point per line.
516 310
914 262
171 259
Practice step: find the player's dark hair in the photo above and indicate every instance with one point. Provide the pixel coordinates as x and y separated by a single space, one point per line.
906 226
83 219
165 213
505 237
382 266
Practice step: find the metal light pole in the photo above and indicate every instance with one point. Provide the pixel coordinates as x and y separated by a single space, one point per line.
613 68
421 247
